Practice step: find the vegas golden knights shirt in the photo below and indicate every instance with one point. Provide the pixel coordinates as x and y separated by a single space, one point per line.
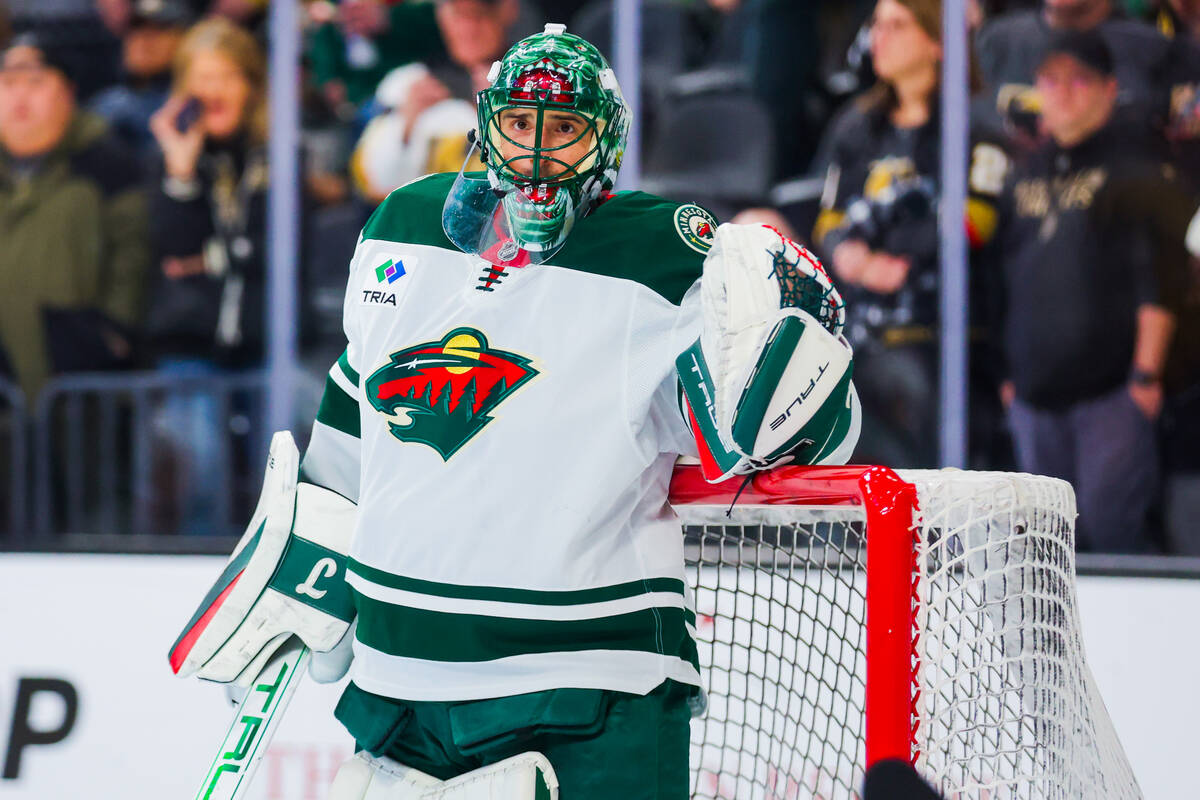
509 435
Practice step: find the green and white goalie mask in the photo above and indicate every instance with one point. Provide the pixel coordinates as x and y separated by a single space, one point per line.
552 130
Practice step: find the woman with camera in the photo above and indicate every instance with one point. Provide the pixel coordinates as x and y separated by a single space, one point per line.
208 223
878 229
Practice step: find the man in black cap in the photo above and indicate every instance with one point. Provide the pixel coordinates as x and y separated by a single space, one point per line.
1010 47
1092 252
156 27
72 223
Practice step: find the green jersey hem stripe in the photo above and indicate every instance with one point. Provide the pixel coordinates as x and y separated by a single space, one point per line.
502 595
438 636
339 410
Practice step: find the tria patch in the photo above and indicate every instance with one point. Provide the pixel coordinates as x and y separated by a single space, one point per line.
379 298
390 271
378 280
696 227
440 393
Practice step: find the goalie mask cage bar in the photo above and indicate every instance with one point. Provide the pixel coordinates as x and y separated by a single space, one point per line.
851 614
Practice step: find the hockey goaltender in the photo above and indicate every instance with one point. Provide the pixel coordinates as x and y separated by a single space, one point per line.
479 530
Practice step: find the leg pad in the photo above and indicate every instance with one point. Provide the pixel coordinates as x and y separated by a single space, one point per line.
527 776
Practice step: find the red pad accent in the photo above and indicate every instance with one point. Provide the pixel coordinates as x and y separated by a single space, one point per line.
180 653
708 464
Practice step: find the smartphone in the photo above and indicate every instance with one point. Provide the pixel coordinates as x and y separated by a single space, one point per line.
188 115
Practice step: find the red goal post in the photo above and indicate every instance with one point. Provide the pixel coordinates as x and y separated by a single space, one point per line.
957 648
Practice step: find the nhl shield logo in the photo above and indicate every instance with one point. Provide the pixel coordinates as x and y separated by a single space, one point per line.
440 393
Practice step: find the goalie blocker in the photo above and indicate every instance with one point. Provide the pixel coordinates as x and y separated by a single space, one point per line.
769 380
285 578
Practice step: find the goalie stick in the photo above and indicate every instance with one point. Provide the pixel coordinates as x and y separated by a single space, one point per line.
257 717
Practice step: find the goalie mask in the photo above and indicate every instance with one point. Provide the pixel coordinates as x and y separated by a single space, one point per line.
552 130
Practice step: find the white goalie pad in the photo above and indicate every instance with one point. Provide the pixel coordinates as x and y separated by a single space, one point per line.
285 578
527 776
769 380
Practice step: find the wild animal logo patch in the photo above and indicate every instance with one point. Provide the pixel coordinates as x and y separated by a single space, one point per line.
696 227
441 393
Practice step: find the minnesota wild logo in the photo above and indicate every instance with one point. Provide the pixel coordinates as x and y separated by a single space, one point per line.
440 393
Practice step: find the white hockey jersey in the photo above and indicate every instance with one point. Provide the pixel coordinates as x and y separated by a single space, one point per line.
509 436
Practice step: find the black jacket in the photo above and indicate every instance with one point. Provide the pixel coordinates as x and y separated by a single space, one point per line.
219 314
882 187
1089 233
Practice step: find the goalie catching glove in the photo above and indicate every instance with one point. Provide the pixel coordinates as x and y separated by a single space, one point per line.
768 381
286 578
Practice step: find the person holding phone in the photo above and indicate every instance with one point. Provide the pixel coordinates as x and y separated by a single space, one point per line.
208 224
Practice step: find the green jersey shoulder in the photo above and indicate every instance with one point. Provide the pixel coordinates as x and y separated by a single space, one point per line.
633 236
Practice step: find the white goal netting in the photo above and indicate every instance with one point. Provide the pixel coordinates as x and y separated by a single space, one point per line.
1003 704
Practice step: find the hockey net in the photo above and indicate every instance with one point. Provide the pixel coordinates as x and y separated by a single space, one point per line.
849 614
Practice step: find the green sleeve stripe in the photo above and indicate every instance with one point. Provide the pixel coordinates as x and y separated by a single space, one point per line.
438 636
347 370
504 595
338 410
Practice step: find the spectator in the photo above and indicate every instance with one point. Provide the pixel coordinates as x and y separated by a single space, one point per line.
74 224
75 29
208 221
430 108
357 42
763 215
1093 262
423 130
1180 19
250 14
1010 48
361 41
475 33
878 230
153 34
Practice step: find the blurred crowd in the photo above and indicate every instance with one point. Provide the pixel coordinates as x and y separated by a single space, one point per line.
133 181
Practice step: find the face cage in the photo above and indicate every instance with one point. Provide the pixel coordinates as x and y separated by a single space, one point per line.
591 162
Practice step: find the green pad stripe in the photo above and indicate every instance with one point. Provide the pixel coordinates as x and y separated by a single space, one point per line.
701 393
826 428
316 576
764 380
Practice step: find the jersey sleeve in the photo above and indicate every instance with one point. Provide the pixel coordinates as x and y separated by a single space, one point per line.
334 450
668 411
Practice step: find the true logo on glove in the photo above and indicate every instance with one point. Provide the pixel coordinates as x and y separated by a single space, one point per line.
799 401
440 393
